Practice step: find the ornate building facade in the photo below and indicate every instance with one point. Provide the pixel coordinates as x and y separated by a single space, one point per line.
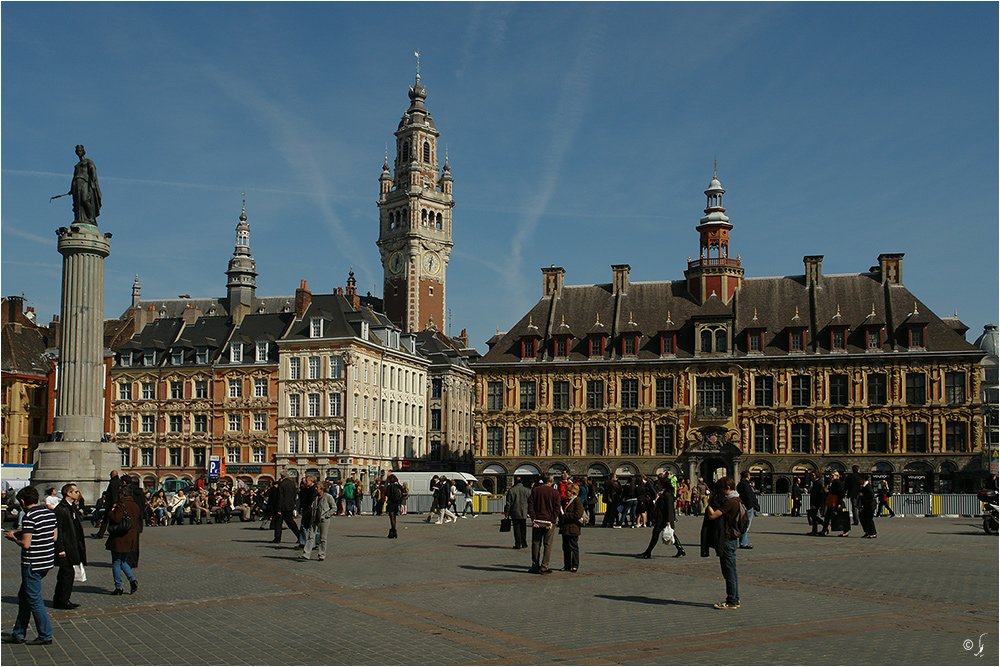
718 373
330 385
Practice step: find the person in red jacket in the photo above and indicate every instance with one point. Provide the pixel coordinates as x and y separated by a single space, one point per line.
543 508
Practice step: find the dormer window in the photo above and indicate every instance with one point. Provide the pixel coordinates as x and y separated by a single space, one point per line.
873 338
796 340
261 351
201 355
149 358
755 341
177 357
236 353
364 330
125 358
713 339
561 347
838 339
917 335
316 327
596 345
668 342
528 348
630 344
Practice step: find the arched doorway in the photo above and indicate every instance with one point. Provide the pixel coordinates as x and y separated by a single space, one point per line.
598 472
882 472
494 478
712 470
918 477
946 480
762 477
528 473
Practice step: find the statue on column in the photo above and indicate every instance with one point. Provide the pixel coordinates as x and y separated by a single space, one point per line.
85 190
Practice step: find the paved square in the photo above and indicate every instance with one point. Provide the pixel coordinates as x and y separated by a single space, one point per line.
458 594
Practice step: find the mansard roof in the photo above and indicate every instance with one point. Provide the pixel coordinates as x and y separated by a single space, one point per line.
24 350
209 307
773 301
441 350
341 320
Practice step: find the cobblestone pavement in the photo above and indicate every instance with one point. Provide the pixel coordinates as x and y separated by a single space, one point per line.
459 594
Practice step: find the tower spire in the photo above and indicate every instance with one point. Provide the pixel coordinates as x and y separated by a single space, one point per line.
714 270
242 272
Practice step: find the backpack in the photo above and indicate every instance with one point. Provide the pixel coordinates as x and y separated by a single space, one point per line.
395 493
742 521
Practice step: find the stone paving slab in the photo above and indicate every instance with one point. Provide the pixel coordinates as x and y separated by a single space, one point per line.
458 594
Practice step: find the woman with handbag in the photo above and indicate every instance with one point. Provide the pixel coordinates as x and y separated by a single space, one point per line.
570 522
834 499
123 539
666 515
394 499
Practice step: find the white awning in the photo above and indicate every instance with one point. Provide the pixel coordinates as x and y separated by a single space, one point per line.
527 469
494 469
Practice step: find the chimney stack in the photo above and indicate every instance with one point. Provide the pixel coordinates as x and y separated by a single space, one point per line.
619 273
303 297
552 282
814 270
890 267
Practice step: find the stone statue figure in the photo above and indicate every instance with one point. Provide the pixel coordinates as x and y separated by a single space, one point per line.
85 190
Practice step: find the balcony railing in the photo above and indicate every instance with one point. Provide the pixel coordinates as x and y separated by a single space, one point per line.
714 261
713 411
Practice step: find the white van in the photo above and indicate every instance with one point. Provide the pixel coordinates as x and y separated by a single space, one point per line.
420 482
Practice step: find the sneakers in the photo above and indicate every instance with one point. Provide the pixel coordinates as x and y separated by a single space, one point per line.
727 605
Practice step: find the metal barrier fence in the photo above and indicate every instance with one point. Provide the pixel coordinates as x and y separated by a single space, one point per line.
905 504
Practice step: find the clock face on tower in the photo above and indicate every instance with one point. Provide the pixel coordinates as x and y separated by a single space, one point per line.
396 262
431 262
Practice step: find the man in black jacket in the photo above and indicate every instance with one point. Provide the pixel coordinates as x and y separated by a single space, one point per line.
110 498
286 508
71 549
852 487
307 493
749 500
817 496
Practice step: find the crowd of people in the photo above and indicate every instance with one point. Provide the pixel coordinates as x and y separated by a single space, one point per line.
50 528
837 504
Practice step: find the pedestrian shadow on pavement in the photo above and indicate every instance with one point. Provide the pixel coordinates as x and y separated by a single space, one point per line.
496 568
645 600
608 553
481 546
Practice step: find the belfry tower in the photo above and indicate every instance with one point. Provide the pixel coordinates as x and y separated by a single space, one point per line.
714 272
242 272
415 205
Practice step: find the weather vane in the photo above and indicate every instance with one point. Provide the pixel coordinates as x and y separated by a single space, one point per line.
417 54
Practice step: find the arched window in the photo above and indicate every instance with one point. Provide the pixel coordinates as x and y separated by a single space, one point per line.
427 152
423 217
404 153
706 340
721 342
439 221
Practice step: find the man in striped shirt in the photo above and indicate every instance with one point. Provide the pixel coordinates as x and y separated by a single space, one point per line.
37 539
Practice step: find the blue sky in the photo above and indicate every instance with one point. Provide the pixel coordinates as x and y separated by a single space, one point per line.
580 135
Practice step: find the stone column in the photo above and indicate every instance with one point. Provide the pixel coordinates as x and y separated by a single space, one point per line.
76 452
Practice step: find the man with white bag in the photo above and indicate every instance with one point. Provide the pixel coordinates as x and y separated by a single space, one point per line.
71 549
